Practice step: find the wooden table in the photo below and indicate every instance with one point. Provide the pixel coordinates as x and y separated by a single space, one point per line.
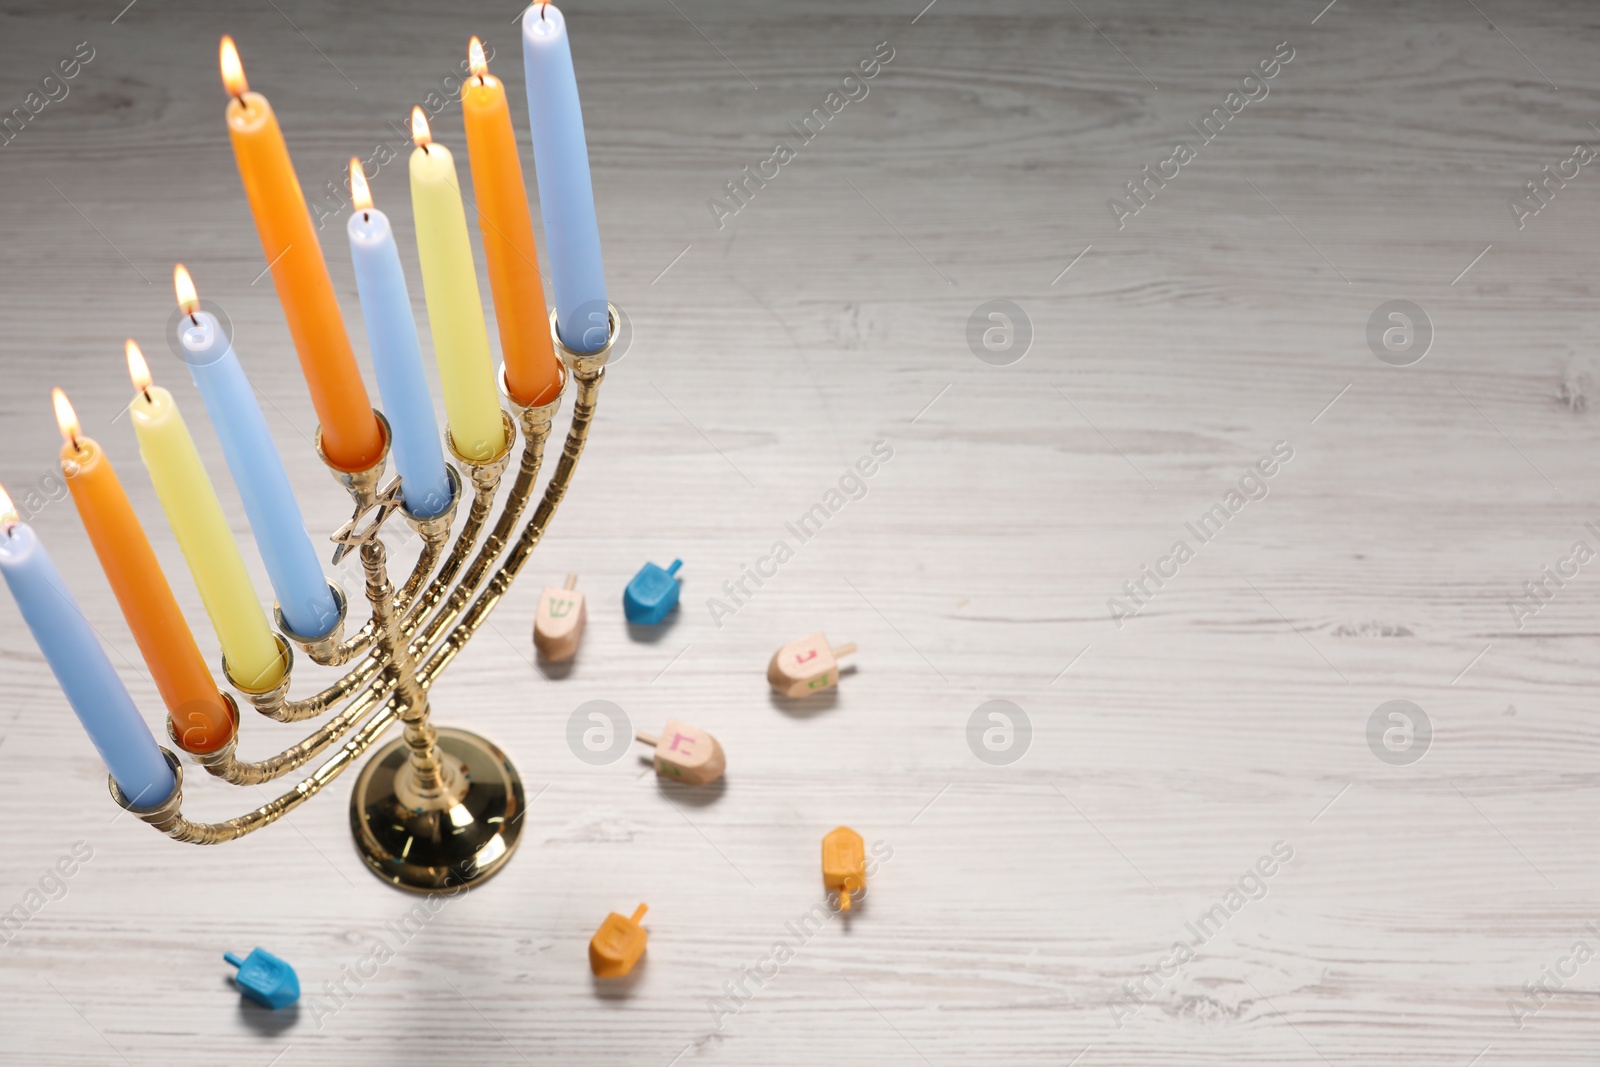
1165 756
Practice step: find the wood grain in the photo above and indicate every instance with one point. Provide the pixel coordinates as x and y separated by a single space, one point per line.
832 312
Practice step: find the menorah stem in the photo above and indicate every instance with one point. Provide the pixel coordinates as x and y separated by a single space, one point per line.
427 777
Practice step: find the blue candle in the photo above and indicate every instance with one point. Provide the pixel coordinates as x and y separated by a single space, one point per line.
303 594
396 354
561 165
80 665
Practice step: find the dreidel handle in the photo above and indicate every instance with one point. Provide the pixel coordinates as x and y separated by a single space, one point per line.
572 582
647 739
844 650
639 913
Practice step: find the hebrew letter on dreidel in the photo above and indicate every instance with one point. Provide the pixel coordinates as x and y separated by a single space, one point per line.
806 666
693 755
558 626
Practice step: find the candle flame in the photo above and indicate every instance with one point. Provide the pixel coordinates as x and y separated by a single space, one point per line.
66 418
419 128
138 369
360 192
232 69
8 511
475 60
188 299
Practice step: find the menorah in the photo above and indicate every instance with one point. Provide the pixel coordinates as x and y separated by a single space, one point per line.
437 808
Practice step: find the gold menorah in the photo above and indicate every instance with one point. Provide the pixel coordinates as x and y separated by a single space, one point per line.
435 809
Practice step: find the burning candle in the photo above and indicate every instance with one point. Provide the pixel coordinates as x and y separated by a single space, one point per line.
249 651
396 354
450 287
303 594
561 166
80 665
532 373
351 437
200 719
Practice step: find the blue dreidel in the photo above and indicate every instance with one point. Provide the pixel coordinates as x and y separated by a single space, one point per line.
265 979
651 594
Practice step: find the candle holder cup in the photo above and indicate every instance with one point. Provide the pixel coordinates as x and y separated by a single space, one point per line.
438 807
320 648
436 528
362 485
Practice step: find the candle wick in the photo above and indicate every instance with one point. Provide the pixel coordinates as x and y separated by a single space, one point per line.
541 11
480 80
366 216
193 319
146 391
75 446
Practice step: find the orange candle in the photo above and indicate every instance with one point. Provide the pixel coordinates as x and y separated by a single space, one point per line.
200 719
351 437
532 374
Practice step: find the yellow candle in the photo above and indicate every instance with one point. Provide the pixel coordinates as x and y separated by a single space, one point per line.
455 310
252 656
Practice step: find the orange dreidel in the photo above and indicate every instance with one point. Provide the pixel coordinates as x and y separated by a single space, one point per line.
687 753
844 864
558 627
618 944
806 666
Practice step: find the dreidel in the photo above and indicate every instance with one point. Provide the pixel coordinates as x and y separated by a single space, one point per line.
651 594
618 944
806 666
265 979
686 753
558 626
844 864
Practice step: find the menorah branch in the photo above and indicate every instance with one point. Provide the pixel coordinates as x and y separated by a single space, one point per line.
555 490
438 807
168 818
224 763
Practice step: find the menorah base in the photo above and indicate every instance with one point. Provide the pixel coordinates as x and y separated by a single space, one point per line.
459 840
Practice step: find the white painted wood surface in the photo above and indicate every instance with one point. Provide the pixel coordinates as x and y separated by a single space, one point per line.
1166 756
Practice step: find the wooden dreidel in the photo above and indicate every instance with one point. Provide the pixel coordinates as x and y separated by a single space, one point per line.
618 944
651 594
844 864
558 627
806 666
686 753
